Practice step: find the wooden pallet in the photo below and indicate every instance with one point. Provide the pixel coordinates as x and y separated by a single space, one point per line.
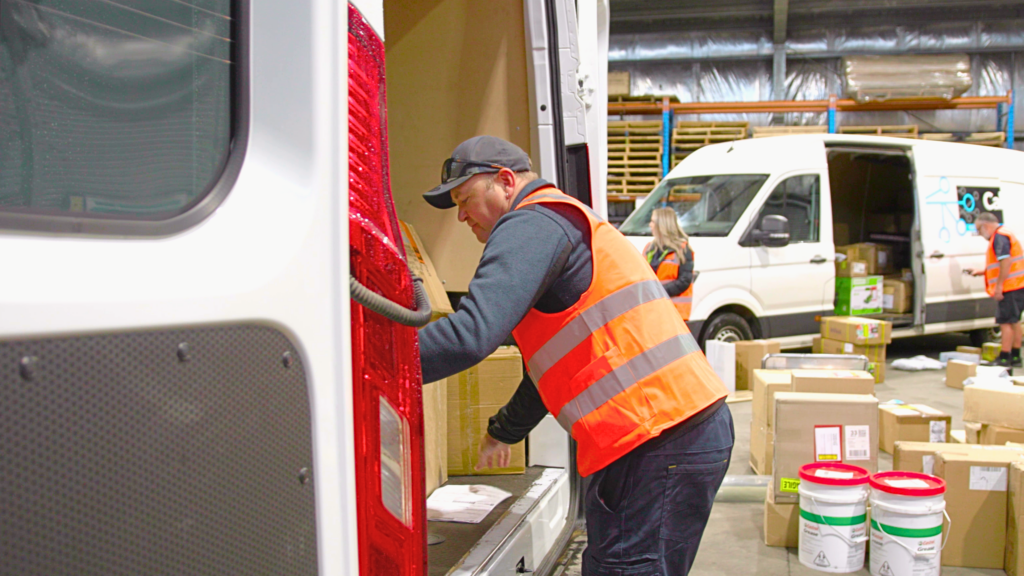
642 98
689 136
767 131
634 156
997 139
904 131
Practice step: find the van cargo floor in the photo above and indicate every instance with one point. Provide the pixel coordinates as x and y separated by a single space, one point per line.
460 538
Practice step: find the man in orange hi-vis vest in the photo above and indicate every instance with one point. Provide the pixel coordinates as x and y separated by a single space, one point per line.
1004 281
605 352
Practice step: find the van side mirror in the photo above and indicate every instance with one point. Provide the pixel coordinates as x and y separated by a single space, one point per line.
773 232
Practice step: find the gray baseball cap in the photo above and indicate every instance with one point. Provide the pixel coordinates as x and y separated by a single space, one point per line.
478 155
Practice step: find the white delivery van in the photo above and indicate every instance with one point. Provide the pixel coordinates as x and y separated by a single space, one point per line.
777 278
191 196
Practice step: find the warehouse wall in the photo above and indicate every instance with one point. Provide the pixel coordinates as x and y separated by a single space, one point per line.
455 69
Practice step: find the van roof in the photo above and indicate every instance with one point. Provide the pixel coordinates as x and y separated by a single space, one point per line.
777 154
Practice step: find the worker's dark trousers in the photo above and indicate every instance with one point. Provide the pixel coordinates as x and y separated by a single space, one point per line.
646 512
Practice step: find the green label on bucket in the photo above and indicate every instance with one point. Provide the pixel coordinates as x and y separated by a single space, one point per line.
907 532
833 520
789 485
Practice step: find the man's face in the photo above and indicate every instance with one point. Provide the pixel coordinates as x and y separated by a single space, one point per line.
481 202
986 229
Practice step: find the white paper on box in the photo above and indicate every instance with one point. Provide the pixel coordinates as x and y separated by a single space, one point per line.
858 442
928 464
937 431
847 348
989 478
906 483
828 443
887 301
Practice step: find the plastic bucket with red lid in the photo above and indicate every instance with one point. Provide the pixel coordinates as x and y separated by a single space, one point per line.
833 516
906 523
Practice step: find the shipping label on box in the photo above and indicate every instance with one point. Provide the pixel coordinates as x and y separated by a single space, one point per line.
856 330
1001 406
911 423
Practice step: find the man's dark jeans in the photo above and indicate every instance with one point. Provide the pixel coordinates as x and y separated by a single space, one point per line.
646 512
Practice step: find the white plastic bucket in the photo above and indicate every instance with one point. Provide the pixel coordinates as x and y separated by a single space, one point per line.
833 516
906 524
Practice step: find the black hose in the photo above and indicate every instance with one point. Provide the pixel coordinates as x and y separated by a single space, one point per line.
391 310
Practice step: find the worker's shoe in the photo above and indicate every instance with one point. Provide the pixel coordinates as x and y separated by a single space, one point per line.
1004 361
1016 362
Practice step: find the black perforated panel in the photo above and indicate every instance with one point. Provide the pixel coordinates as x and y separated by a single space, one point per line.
173 452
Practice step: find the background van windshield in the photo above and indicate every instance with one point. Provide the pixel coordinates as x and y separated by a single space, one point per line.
706 205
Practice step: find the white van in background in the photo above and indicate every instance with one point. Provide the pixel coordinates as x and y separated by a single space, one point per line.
778 283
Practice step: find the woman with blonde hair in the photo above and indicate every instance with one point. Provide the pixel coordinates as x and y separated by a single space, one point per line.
671 258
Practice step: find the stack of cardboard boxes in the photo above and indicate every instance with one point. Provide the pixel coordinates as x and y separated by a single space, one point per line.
867 281
856 336
993 415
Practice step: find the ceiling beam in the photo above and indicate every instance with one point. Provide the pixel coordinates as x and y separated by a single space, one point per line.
781 18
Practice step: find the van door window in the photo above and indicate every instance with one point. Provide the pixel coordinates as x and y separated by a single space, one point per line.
798 199
706 205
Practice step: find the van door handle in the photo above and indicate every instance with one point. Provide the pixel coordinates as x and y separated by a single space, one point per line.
937 255
819 260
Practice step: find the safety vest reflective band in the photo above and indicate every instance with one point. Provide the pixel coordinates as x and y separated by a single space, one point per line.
669 270
1015 278
619 367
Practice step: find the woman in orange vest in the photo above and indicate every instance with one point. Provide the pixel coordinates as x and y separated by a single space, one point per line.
1004 282
671 258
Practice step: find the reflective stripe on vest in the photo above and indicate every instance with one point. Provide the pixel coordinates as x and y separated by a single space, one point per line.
601 313
1015 276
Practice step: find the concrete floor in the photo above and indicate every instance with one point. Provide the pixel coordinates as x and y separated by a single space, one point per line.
733 543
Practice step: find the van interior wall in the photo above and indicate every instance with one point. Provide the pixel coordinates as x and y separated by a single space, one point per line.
455 69
866 188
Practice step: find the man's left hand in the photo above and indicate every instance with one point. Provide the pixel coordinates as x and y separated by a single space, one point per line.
998 296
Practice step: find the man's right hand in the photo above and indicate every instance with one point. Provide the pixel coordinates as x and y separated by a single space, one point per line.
493 454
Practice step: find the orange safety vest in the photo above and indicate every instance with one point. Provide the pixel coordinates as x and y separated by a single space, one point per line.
619 367
1015 280
669 270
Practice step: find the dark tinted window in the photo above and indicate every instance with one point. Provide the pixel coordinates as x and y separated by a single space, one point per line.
113 106
798 199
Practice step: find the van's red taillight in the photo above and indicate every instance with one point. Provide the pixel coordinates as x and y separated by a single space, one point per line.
387 382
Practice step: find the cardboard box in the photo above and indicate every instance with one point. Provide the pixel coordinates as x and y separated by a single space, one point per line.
976 500
851 268
766 384
762 448
473 397
897 296
879 257
863 331
858 296
420 265
1002 406
833 381
920 456
816 346
781 522
913 423
748 358
992 435
821 428
972 432
969 350
875 353
957 371
618 83
435 433
1014 560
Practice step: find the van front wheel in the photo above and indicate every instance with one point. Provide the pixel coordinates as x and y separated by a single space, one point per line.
726 327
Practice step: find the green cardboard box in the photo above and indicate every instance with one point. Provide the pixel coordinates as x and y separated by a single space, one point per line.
859 296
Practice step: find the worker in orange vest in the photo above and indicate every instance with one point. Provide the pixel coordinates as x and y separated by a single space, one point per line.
1004 282
605 353
671 258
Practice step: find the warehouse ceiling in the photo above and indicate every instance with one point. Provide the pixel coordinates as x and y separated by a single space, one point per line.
782 16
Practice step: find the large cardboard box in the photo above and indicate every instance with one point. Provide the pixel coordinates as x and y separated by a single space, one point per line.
473 397
618 83
879 257
865 331
920 456
972 432
762 447
781 522
875 353
897 296
1002 406
992 435
420 265
766 384
859 296
976 497
833 381
435 433
1014 560
748 358
813 427
913 423
957 371
851 268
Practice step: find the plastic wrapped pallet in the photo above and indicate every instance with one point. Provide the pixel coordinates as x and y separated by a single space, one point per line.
880 78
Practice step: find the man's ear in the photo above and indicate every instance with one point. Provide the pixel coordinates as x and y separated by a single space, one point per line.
506 179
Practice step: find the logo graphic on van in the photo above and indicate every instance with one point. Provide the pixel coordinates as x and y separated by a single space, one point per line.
961 212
